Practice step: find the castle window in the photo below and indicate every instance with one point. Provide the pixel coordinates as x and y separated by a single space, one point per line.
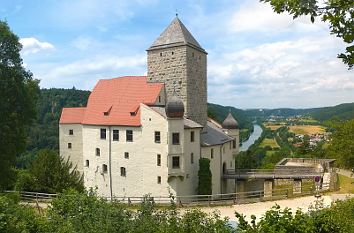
175 138
71 132
87 163
234 143
223 149
104 168
160 54
159 99
172 53
123 171
231 164
129 135
193 54
192 158
103 133
159 179
175 161
158 160
98 152
230 145
212 153
115 135
126 155
69 145
157 137
192 136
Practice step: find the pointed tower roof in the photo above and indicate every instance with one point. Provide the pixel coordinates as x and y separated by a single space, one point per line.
230 122
175 34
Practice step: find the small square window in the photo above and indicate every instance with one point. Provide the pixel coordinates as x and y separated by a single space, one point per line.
98 152
87 163
129 135
103 133
123 171
212 153
115 135
69 145
71 132
104 168
192 158
175 138
158 160
192 136
175 162
159 179
126 155
157 137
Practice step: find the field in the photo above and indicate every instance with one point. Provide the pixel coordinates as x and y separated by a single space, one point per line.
269 142
307 129
346 184
272 126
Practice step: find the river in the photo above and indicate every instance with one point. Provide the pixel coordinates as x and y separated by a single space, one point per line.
257 131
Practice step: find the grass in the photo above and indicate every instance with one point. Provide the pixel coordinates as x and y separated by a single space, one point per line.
269 142
346 184
273 127
307 129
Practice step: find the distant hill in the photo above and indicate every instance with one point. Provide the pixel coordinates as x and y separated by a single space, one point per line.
341 111
219 113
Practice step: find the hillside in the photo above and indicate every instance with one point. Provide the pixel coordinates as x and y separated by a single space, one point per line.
219 113
341 111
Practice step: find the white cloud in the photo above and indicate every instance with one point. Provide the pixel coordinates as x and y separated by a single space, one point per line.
256 16
33 45
292 73
85 73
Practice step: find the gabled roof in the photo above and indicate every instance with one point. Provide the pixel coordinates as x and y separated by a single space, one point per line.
72 115
213 135
174 35
116 101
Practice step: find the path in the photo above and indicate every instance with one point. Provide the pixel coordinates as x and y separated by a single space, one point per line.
259 209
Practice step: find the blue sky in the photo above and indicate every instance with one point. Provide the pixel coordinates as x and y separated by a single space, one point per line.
256 58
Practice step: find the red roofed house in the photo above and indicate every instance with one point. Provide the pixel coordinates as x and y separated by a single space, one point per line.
145 134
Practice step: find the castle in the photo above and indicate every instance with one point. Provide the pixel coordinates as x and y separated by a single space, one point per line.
145 134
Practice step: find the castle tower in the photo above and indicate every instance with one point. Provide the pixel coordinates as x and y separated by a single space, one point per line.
177 59
230 127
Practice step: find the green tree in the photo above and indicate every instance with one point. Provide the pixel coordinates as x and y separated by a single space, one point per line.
18 95
204 175
50 173
342 145
338 13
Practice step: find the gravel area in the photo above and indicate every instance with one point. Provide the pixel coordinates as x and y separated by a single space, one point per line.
258 209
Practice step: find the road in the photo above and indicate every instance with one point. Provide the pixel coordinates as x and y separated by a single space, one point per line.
259 209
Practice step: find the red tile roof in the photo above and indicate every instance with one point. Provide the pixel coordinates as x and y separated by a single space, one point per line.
120 98
72 115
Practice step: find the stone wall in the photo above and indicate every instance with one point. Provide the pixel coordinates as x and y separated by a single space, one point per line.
184 69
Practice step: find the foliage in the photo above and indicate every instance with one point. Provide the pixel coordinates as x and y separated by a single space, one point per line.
44 132
336 218
342 146
219 113
338 13
204 177
18 95
341 111
16 218
49 173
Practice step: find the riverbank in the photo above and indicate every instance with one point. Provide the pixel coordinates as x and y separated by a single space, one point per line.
257 132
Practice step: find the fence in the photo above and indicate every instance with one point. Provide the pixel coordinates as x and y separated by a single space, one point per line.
218 199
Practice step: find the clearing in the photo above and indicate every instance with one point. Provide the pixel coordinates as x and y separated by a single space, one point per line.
307 129
269 142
